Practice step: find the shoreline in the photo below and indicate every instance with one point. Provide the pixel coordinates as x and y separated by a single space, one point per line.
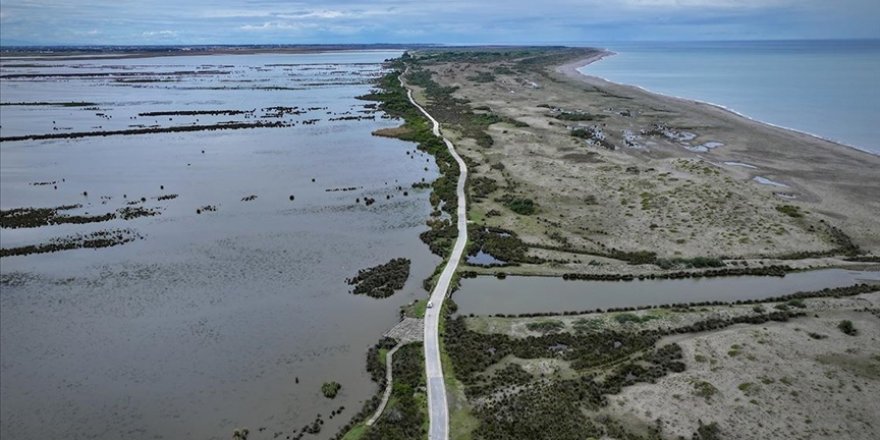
572 70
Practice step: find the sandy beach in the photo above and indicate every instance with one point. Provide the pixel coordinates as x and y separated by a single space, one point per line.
831 176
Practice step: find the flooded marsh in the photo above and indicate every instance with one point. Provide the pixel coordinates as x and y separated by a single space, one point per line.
230 308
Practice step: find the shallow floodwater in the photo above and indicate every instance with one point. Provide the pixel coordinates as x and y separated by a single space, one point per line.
514 295
204 324
830 88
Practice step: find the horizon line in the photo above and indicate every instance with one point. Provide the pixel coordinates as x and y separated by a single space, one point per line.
3 46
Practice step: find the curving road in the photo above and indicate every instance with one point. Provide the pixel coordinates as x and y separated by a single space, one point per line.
437 408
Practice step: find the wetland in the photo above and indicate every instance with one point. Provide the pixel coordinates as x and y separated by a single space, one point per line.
220 304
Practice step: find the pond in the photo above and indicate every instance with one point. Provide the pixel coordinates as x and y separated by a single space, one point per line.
484 259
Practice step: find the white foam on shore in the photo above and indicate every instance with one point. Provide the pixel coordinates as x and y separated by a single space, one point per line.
740 164
704 147
766 181
720 106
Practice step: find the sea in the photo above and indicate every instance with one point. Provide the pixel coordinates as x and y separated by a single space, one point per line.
828 88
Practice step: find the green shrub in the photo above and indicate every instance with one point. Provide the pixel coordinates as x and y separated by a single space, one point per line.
704 389
624 318
797 302
518 205
847 327
330 389
790 210
710 431
545 326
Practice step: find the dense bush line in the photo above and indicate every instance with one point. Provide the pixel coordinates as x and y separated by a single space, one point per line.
94 240
394 101
689 263
776 271
136 131
36 217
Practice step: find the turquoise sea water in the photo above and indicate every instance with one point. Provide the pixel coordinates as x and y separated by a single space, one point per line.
829 88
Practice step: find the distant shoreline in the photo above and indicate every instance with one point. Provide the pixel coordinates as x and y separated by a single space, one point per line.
572 70
118 53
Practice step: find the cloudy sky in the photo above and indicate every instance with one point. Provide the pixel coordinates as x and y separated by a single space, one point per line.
429 21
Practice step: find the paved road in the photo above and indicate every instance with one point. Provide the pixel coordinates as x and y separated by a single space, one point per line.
437 408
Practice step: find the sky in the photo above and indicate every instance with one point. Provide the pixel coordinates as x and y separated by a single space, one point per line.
148 22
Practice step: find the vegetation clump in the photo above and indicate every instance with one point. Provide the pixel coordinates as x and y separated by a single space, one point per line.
593 135
133 212
689 263
519 205
94 240
330 389
704 389
709 431
383 280
481 187
577 116
482 77
545 326
206 208
847 327
36 217
148 130
790 210
625 318
58 104
775 271
440 236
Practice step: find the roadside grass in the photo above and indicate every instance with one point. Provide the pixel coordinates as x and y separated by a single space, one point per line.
356 432
419 308
415 309
383 352
461 422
